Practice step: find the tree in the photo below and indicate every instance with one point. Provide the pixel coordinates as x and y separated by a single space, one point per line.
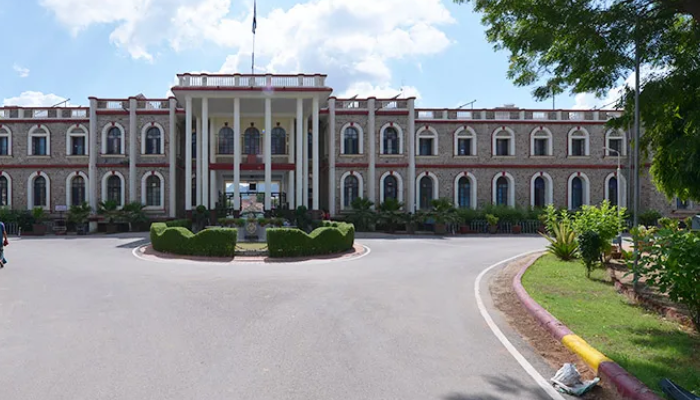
589 46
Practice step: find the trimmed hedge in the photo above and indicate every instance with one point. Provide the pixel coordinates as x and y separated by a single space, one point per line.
215 242
180 223
332 237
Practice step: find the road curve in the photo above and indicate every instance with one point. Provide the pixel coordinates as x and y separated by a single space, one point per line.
81 318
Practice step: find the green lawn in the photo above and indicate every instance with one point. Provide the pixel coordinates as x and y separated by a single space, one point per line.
641 342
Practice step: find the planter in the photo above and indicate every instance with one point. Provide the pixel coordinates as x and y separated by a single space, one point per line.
464 229
517 229
440 229
112 228
493 229
39 229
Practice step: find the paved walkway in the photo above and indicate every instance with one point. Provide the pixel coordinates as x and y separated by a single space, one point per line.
82 318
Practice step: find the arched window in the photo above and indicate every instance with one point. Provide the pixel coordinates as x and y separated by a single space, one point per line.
251 138
114 189
540 192
541 142
391 185
77 190
39 192
390 141
114 141
226 141
615 142
576 193
578 142
425 195
612 191
153 191
427 142
4 191
279 140
5 141
39 142
464 193
351 189
503 142
351 140
465 142
502 189
153 140
76 143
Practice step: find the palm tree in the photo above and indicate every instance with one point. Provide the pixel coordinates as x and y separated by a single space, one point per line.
443 212
390 213
362 214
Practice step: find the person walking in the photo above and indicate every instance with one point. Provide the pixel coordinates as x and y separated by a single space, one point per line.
3 242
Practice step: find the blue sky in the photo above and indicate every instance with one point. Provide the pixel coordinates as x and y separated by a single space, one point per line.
58 49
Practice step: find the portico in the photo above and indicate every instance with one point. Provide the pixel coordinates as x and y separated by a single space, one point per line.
241 128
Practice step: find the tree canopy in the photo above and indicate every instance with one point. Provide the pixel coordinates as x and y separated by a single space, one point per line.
588 46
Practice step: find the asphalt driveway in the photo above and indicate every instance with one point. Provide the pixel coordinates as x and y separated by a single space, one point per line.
82 318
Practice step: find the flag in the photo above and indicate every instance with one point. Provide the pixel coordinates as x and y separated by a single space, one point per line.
255 13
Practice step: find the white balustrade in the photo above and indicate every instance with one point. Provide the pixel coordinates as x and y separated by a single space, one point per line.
257 81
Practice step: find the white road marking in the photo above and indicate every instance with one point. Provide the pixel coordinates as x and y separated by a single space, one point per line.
546 386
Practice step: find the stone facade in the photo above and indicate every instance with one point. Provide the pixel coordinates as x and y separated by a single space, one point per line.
444 166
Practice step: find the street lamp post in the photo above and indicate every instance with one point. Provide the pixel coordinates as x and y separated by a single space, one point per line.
619 197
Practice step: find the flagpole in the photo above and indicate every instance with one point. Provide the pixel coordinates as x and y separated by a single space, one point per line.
255 25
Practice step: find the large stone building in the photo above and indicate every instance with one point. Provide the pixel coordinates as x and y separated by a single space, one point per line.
237 135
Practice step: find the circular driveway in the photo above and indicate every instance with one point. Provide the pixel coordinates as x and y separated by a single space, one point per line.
82 318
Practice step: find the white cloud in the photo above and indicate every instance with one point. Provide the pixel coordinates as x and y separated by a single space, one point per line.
34 99
351 41
21 71
587 101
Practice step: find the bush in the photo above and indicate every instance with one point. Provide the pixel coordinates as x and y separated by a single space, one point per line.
332 237
590 245
649 218
179 223
671 263
562 243
215 242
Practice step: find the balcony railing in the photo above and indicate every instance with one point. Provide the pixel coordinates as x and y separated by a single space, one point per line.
43 113
141 104
251 81
521 115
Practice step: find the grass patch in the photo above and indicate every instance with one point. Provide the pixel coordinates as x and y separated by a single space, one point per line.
641 342
251 246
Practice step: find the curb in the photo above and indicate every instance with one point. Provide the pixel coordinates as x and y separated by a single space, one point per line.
626 384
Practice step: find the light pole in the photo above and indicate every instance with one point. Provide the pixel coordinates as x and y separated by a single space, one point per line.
619 197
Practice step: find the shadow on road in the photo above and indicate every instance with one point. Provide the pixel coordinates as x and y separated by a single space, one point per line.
502 388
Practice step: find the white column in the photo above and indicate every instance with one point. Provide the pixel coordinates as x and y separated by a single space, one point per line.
188 153
411 179
371 137
268 153
204 159
305 147
291 194
172 162
299 153
236 152
133 150
92 152
198 190
315 153
331 156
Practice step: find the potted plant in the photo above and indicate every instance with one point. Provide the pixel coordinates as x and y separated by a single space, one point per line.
443 212
38 227
466 216
135 216
362 215
278 222
390 213
492 220
79 214
517 228
110 211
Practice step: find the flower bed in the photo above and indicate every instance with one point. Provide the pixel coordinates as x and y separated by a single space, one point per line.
216 242
332 237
